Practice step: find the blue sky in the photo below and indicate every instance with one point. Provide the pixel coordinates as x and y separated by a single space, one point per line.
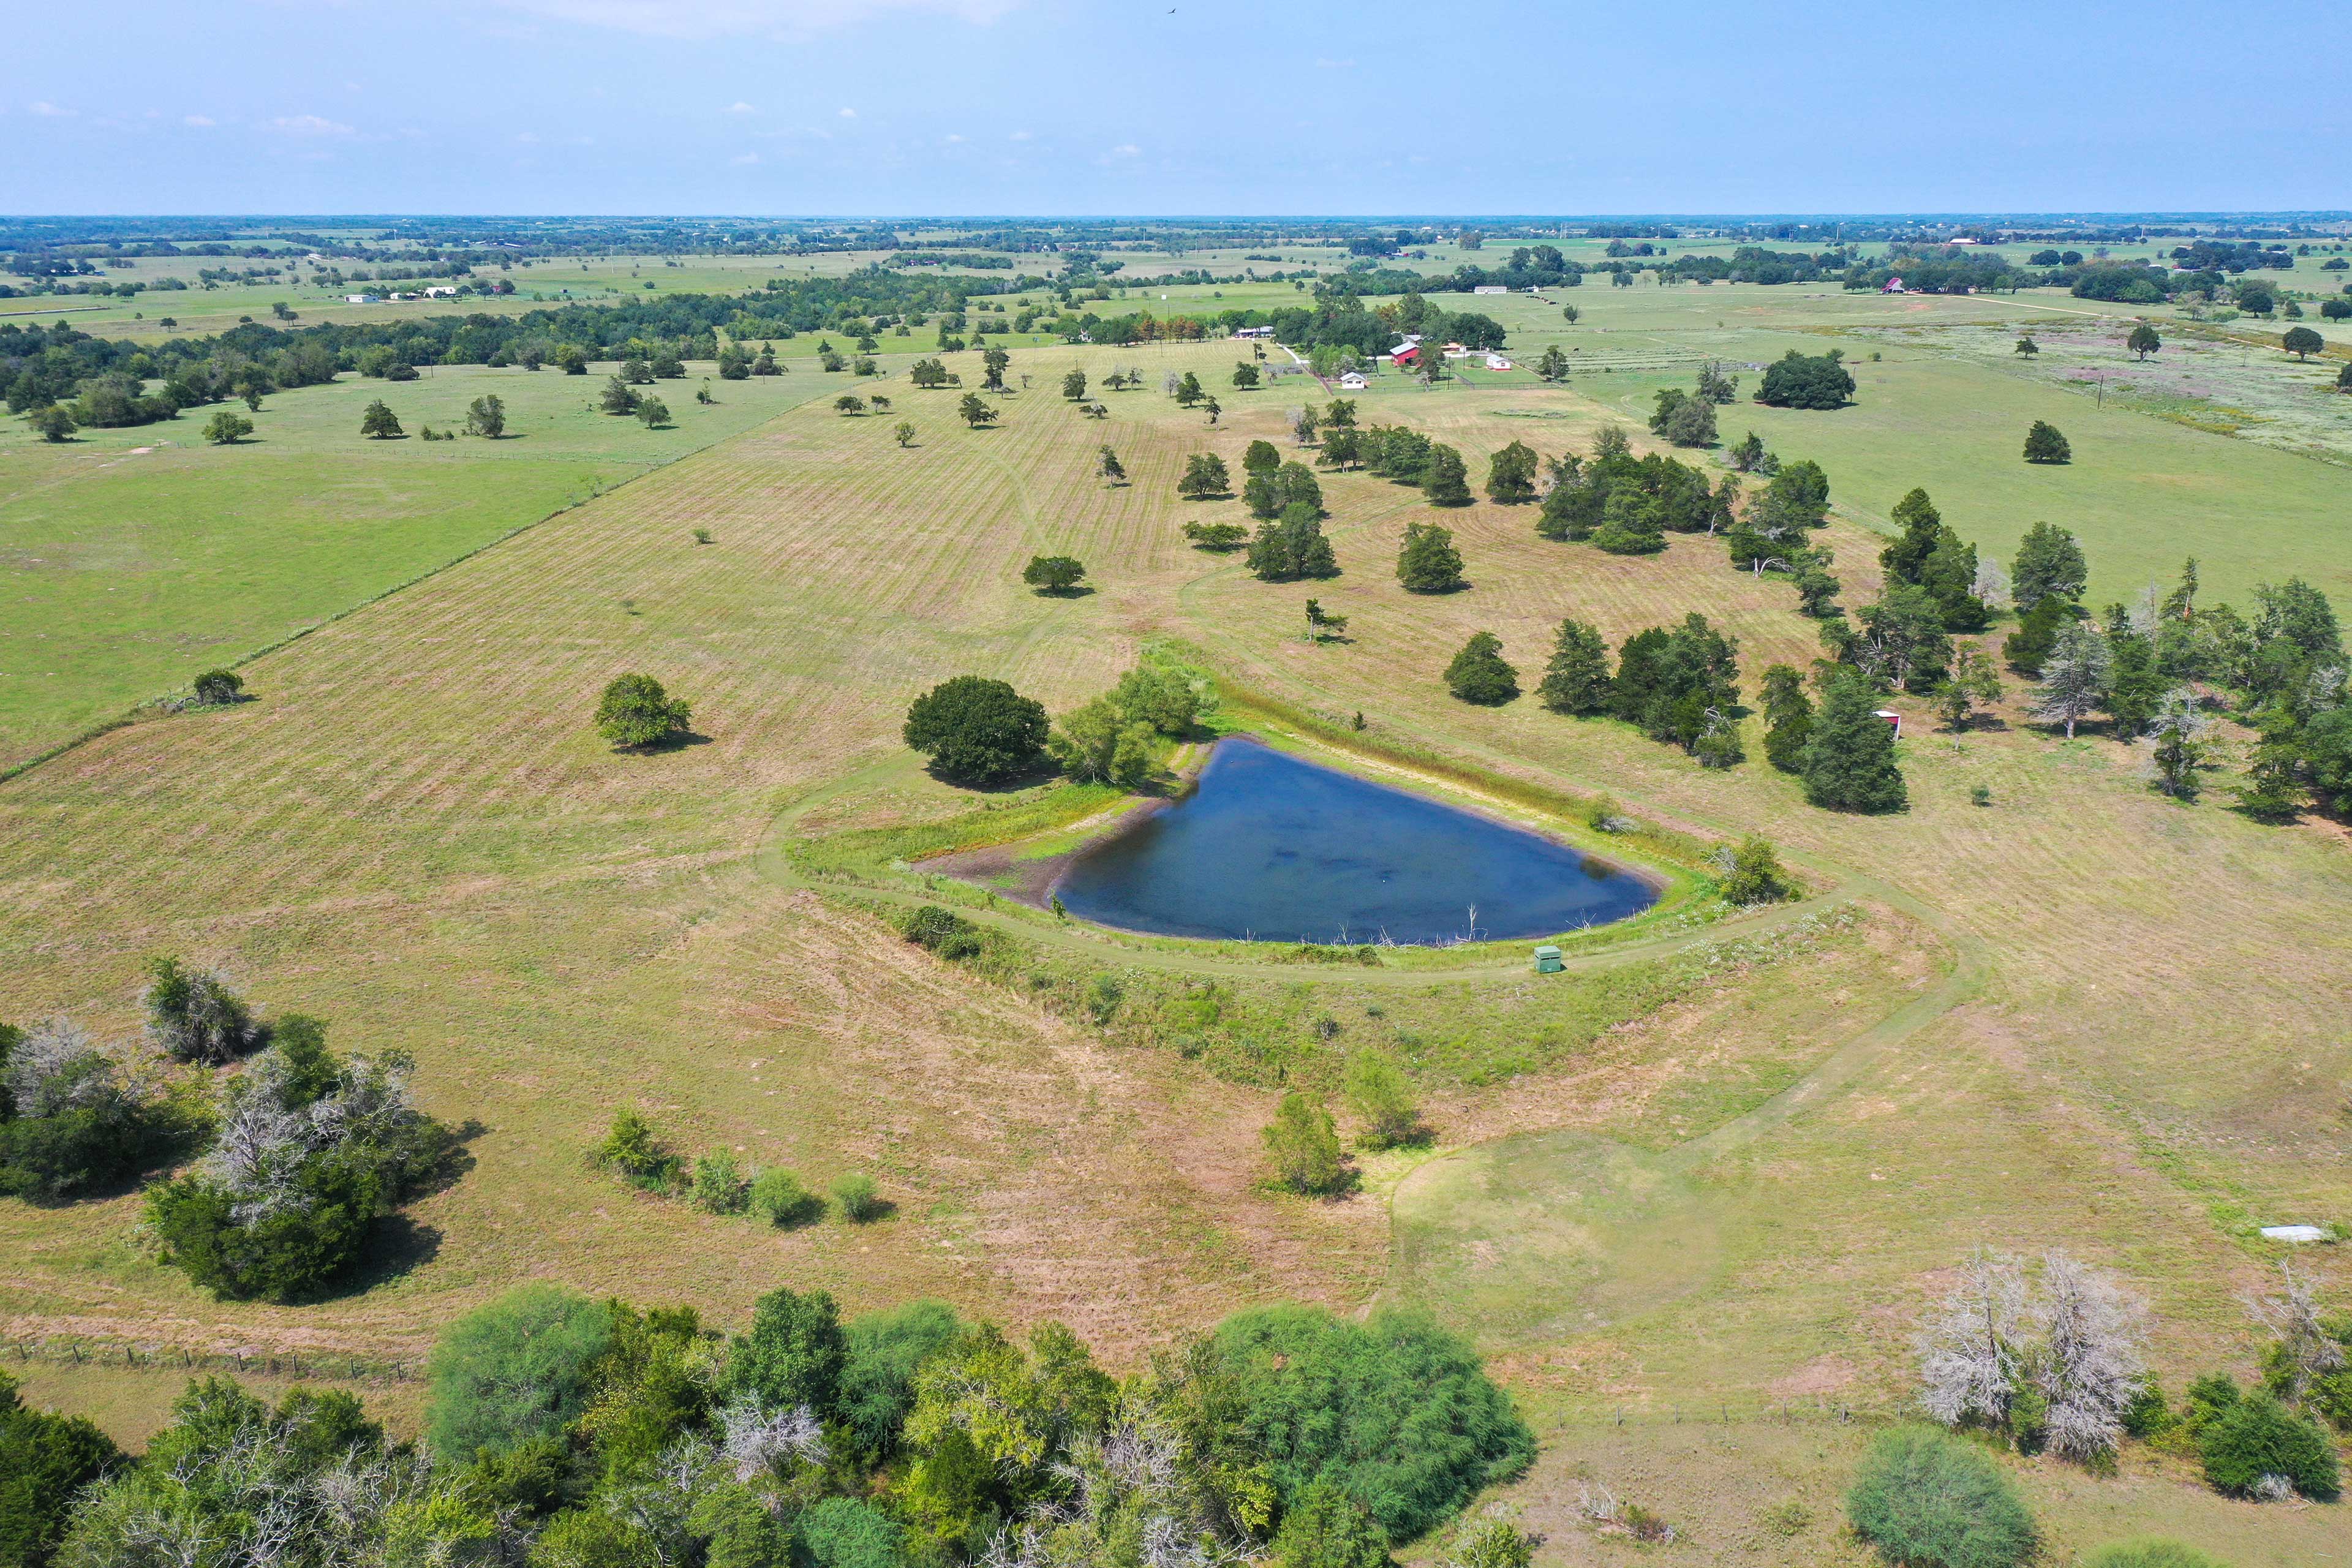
898 107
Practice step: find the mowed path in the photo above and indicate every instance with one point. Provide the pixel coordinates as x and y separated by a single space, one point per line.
413 832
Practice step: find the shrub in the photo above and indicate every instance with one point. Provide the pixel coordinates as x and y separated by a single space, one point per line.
857 1197
1395 1411
977 730
779 1198
1303 1146
1754 875
634 711
232 1481
942 931
1480 674
516 1370
216 687
719 1184
1501 1543
2150 1552
633 1151
1383 1099
2258 1437
1642 1523
1926 1500
1104 993
2146 1415
193 1015
226 429
2209 1399
1216 536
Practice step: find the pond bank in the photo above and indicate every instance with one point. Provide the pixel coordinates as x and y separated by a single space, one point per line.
1273 846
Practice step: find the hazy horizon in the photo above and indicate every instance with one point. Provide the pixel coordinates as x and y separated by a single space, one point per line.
877 107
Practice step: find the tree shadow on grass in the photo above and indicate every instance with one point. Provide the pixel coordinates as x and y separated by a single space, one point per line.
676 742
398 1242
450 1161
1079 591
396 1245
1042 772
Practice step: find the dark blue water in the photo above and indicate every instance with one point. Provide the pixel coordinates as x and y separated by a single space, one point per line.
1272 849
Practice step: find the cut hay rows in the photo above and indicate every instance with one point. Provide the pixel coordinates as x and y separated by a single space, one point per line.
413 832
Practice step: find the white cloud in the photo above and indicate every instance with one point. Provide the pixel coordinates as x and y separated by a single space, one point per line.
740 107
715 18
527 137
745 158
1125 150
849 114
49 111
1021 136
951 138
200 121
310 125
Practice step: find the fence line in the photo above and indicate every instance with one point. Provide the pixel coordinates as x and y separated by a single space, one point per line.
80 1351
353 1367
1721 1412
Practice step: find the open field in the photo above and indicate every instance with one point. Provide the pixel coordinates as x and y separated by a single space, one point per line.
2142 492
136 557
597 280
2080 1015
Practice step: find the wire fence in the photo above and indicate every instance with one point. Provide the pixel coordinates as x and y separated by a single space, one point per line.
1722 1412
77 1349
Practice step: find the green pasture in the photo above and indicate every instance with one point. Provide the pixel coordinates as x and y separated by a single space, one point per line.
556 281
2078 1016
133 558
2142 493
1937 411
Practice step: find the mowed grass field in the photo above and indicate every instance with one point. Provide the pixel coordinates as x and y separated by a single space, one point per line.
411 832
131 560
556 281
2142 493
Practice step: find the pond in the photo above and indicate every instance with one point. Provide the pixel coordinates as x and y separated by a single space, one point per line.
1271 849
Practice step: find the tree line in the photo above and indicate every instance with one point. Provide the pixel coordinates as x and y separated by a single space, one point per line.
562 1431
40 366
